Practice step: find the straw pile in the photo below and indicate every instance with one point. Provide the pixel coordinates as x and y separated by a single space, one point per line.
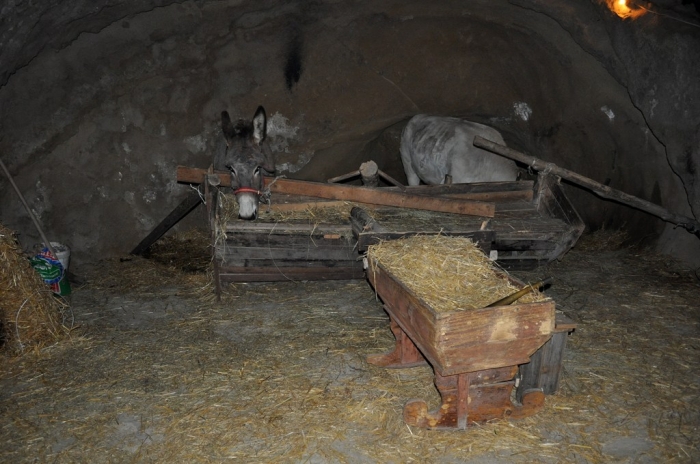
30 316
448 273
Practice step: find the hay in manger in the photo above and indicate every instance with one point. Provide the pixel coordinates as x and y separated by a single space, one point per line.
448 273
297 241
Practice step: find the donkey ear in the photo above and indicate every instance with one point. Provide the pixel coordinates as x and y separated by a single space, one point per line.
259 125
268 159
227 127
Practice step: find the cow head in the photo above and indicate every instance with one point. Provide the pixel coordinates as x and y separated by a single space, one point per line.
246 157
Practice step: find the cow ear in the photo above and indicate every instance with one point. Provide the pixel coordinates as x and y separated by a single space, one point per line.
227 127
259 125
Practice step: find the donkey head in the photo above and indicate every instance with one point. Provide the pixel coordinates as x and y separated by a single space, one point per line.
246 156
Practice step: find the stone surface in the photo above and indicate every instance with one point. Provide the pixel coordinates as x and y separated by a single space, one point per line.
100 101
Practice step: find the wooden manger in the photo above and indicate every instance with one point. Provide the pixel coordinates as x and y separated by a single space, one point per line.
308 248
475 354
524 223
533 223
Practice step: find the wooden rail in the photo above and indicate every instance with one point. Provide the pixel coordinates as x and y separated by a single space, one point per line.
374 196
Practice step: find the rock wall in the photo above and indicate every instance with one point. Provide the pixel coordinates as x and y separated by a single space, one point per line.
103 100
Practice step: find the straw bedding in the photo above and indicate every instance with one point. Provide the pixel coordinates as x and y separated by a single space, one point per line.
276 373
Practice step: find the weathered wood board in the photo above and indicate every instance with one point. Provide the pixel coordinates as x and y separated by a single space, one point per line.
545 366
465 341
371 195
269 251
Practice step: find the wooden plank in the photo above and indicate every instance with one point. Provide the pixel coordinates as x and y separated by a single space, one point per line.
287 253
190 202
563 323
375 196
267 274
519 189
190 175
296 228
253 239
524 245
544 369
521 264
381 196
521 207
281 262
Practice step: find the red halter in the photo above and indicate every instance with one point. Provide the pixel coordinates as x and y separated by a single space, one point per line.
247 190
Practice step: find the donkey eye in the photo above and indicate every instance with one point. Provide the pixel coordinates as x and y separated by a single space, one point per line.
257 171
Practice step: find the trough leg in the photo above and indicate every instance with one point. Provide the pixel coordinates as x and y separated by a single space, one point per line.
473 397
405 353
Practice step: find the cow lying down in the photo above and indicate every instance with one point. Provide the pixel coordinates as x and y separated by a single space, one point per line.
433 147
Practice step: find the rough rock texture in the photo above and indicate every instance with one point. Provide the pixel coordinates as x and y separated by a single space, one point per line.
101 100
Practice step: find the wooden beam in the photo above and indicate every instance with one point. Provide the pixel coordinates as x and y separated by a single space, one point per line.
192 200
603 191
374 196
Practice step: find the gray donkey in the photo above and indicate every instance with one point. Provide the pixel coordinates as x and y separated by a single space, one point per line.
245 156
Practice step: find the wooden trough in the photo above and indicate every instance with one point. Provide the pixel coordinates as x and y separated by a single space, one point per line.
475 354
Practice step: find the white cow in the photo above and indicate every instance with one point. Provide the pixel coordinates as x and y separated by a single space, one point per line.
433 147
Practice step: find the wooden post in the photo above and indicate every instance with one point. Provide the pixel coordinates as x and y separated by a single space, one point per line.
603 191
211 181
370 174
29 211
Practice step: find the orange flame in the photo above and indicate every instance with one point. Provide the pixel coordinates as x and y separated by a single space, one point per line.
620 8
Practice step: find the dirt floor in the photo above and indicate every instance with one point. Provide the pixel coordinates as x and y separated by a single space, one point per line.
157 371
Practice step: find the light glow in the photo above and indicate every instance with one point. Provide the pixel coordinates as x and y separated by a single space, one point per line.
620 8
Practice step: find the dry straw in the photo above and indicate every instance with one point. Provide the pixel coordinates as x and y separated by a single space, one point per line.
30 315
228 212
448 273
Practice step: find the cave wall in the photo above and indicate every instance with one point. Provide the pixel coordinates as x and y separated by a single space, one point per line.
103 100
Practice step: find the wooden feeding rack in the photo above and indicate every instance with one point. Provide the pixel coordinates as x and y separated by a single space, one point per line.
475 354
533 222
306 249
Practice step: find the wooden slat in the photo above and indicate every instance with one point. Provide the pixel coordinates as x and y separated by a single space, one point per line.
288 227
523 245
285 262
287 253
252 239
190 202
271 274
518 189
